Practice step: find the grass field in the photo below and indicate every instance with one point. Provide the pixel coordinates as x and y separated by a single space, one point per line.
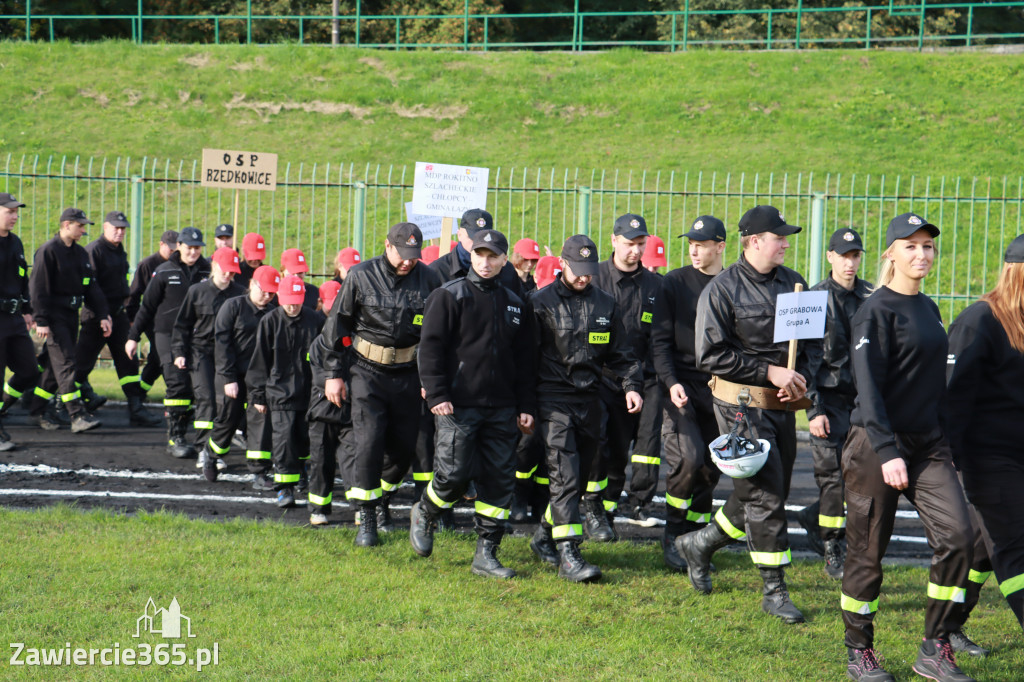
823 111
297 603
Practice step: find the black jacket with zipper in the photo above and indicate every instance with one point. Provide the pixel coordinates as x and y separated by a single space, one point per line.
164 294
194 326
234 334
279 375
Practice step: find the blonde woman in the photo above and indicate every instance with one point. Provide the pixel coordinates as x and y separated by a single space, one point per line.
896 446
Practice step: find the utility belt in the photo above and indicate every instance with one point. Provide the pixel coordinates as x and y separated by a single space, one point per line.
756 396
383 355
11 306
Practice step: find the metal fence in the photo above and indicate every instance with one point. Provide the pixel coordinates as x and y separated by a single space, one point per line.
324 207
796 27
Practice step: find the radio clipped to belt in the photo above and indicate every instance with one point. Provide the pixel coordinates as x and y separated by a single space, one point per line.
737 455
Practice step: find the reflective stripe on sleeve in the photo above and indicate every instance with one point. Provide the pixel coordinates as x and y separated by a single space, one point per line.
864 608
596 486
644 459
490 511
947 593
726 525
320 501
257 454
364 495
831 521
678 502
772 558
1011 585
978 576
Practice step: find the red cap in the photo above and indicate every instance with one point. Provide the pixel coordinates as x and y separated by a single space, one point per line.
253 247
268 278
547 271
430 253
294 261
348 257
528 249
654 254
328 292
227 259
291 291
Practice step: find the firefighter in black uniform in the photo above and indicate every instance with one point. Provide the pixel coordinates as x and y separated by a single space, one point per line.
16 350
293 262
690 423
159 310
832 397
476 366
986 393
144 272
254 253
224 237
110 267
234 333
897 446
457 263
635 290
735 343
192 347
578 333
62 281
279 381
380 309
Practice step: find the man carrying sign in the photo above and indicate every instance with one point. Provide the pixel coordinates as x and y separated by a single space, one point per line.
735 343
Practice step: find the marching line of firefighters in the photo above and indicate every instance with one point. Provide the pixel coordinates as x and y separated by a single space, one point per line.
527 385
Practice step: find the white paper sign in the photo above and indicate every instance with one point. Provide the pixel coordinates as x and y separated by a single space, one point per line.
443 190
800 315
430 225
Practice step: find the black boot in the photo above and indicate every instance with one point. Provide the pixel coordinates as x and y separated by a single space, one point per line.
92 400
572 566
543 545
935 660
520 512
808 519
485 561
367 535
835 559
177 425
595 522
81 420
138 415
776 600
51 420
962 644
421 528
384 522
671 554
446 521
696 549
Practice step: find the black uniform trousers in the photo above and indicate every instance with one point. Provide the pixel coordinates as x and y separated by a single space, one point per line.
871 512
386 409
152 370
203 373
423 462
827 456
532 472
178 382
17 354
91 342
290 446
691 475
330 444
623 431
571 431
477 444
59 376
993 486
233 413
981 566
756 509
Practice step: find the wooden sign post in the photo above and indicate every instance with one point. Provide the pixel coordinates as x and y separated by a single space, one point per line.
441 190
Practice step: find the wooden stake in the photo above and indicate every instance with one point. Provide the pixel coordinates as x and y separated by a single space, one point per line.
791 361
234 224
447 226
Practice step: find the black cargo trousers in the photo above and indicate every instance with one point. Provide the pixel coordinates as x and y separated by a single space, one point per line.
17 354
827 456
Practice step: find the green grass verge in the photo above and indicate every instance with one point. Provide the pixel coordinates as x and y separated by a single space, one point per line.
935 114
291 602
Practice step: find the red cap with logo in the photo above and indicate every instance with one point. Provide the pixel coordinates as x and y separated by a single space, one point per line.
348 257
227 259
328 292
291 291
548 270
254 247
528 249
294 261
268 278
654 254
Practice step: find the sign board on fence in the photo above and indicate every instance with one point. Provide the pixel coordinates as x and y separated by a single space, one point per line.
233 169
430 225
443 190
800 315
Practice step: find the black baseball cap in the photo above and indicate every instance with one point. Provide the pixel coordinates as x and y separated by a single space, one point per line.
76 215
476 219
1015 251
117 219
407 238
224 230
906 224
169 237
580 252
492 240
766 219
191 236
630 226
8 200
706 228
845 240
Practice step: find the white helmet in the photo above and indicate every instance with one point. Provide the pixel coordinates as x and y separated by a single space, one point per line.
739 457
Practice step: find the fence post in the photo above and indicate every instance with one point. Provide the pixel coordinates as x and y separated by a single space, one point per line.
817 233
359 216
583 215
28 19
136 211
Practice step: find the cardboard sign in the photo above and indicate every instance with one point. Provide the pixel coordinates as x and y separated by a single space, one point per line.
448 191
800 315
232 169
430 225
